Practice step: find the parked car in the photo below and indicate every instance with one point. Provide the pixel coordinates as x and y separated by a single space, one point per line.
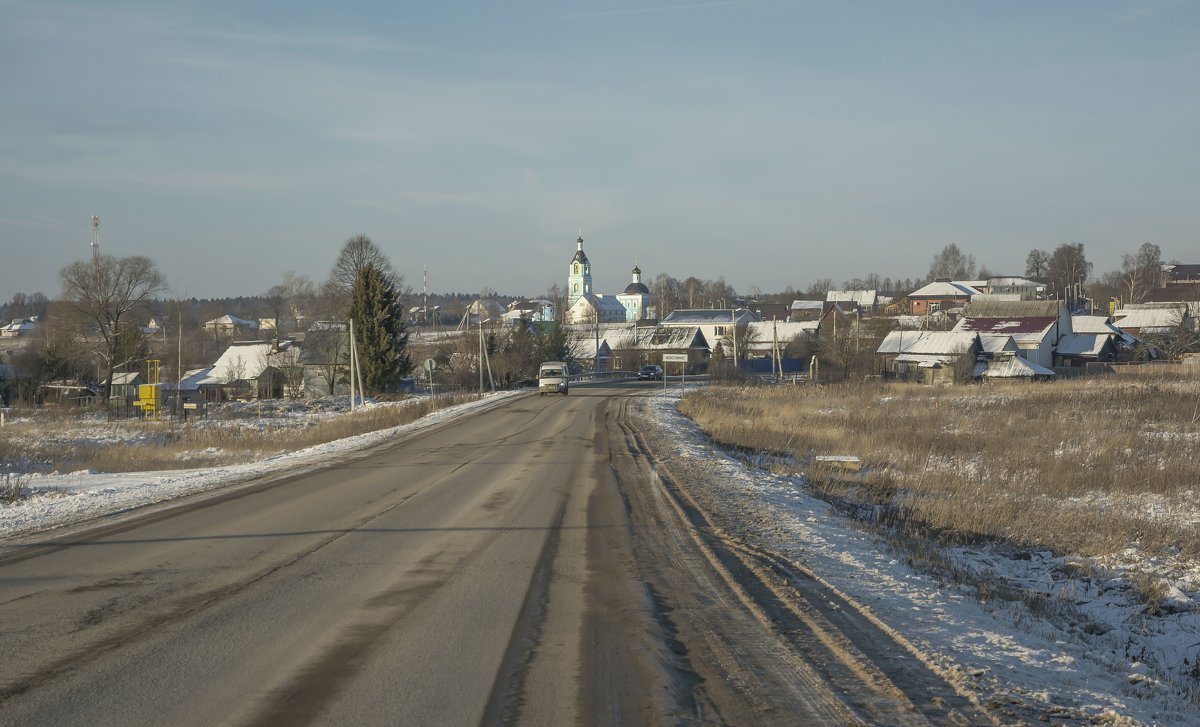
650 372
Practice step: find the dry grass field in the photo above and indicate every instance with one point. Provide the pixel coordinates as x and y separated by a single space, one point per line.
1087 466
232 434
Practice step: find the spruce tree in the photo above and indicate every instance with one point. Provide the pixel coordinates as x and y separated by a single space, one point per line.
379 329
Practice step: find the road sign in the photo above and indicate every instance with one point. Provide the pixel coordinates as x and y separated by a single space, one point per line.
675 358
430 365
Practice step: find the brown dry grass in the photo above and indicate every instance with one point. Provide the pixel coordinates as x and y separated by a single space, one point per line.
66 444
1089 466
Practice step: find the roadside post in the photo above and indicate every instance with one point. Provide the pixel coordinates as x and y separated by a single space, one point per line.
681 359
430 365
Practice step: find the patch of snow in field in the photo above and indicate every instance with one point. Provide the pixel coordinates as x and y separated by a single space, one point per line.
1094 649
63 499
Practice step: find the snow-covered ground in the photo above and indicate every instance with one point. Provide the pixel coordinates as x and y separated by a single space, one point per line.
1089 650
1027 632
59 499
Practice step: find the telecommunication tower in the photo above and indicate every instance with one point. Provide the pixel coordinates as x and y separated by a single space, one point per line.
95 237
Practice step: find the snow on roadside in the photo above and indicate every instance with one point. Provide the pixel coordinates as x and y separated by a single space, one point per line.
1099 657
65 499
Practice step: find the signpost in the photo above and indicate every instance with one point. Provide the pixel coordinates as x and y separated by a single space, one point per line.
679 358
430 365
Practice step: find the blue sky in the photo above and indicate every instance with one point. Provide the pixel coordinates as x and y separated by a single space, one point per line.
772 143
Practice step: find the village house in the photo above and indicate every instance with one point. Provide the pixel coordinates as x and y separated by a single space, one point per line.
1143 319
770 311
807 310
249 370
229 325
1008 365
1034 325
1174 274
714 323
125 387
931 357
19 327
940 295
865 301
531 311
632 346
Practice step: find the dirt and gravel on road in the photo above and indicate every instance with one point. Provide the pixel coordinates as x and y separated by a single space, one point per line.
736 635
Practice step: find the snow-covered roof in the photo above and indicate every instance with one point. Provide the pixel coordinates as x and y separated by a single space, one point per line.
1100 324
125 378
995 342
786 330
19 326
861 298
243 360
1014 282
944 289
1010 367
1143 318
938 343
707 317
1014 308
228 320
608 306
585 349
816 305
648 338
1082 344
925 360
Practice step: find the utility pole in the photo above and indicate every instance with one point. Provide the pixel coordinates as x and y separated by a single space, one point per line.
95 238
733 314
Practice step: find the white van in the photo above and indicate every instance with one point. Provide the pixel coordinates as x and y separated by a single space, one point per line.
552 378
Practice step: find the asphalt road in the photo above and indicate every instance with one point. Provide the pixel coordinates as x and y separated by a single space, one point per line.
524 565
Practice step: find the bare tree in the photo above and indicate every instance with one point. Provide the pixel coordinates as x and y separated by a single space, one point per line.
326 348
1036 264
952 263
355 255
1171 343
101 293
1067 270
1140 272
821 286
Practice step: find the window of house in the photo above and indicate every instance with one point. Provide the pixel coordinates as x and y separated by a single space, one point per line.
720 330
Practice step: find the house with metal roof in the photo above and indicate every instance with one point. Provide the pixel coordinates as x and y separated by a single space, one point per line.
763 336
1151 318
940 295
1034 325
807 310
864 300
18 327
632 346
250 369
1023 288
1174 274
927 356
714 323
596 307
1010 366
229 325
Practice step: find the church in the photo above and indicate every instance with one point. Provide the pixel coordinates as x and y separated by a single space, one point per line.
586 306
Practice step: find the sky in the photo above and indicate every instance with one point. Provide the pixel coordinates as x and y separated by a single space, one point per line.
768 142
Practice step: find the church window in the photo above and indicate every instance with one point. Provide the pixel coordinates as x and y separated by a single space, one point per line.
576 268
